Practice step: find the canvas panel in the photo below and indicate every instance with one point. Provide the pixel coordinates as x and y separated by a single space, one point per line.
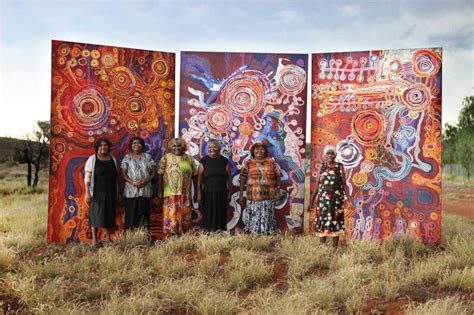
243 98
102 91
382 112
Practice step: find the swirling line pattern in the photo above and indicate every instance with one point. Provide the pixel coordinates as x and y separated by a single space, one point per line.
382 111
240 99
102 91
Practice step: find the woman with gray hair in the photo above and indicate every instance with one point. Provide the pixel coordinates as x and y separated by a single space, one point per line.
331 192
214 188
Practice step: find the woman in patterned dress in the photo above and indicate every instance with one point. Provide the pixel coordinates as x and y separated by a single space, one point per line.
214 188
331 191
138 170
261 174
101 181
176 172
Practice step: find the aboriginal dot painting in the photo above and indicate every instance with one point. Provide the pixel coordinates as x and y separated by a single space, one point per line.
243 98
382 112
102 91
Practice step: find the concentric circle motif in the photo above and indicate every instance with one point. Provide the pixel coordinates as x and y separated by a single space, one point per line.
95 54
218 120
367 166
135 106
132 125
108 60
59 147
292 80
245 129
160 68
64 49
245 93
75 52
90 108
426 63
57 80
122 80
368 127
61 61
396 66
348 153
417 97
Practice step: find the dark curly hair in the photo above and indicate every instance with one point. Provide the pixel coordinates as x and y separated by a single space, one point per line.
144 147
99 141
258 145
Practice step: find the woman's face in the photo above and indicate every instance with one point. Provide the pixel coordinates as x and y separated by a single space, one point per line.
330 156
103 148
259 152
137 146
213 150
177 148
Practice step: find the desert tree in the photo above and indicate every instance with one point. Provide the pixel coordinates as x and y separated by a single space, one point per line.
34 151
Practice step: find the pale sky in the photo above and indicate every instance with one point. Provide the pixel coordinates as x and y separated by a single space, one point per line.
306 26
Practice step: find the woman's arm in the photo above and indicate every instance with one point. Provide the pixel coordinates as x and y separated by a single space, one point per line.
315 192
87 183
200 178
127 178
228 169
243 182
150 176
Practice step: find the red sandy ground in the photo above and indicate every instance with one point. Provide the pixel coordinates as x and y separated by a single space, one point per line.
458 198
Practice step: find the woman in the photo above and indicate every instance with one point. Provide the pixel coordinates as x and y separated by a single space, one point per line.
261 175
101 178
176 171
331 190
138 169
214 187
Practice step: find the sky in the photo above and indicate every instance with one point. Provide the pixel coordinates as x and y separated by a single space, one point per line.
306 26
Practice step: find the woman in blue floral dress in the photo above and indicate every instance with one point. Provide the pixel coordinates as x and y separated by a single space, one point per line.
331 192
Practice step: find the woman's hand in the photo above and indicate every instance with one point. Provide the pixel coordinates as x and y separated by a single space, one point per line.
88 197
242 202
277 193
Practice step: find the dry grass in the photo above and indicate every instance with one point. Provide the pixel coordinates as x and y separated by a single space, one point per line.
246 269
221 274
447 305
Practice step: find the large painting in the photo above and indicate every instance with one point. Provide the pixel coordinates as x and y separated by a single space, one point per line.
243 98
382 112
102 91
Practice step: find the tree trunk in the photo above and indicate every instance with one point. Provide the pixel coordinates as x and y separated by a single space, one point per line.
36 179
28 176
37 164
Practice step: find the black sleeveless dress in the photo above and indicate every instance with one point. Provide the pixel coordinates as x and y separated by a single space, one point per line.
214 217
102 209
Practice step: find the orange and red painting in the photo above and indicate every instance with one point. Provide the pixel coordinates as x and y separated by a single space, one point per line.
382 112
102 91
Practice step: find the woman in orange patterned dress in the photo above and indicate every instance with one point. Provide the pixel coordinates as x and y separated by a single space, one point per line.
261 174
176 172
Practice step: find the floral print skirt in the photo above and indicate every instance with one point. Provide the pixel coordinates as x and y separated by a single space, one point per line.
176 215
259 217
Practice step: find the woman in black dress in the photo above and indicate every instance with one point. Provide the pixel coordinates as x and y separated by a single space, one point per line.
101 189
214 188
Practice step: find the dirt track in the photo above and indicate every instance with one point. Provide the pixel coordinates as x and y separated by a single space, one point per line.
458 199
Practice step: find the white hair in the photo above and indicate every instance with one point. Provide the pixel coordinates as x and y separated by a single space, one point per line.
329 148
